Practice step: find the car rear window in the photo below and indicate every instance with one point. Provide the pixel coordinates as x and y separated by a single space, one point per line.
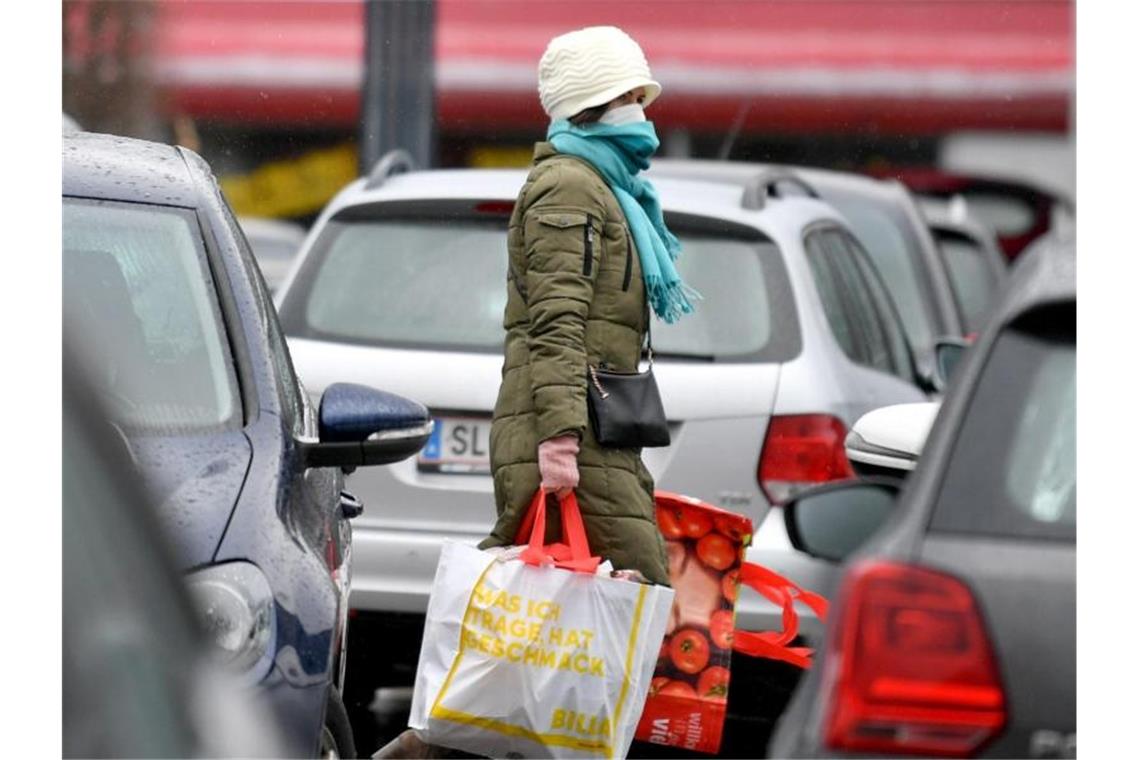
440 283
1013 468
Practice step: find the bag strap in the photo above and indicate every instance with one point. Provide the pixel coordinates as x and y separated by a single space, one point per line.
649 332
779 590
572 556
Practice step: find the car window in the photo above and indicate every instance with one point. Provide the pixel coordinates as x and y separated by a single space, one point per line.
432 283
137 284
897 356
897 254
858 310
727 273
867 321
971 277
830 289
1012 471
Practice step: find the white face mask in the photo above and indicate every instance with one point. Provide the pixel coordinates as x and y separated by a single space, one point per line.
630 113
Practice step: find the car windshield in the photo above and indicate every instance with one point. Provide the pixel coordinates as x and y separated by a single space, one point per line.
889 241
971 278
1013 468
427 284
137 286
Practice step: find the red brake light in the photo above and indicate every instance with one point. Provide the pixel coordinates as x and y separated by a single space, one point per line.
910 666
505 208
801 450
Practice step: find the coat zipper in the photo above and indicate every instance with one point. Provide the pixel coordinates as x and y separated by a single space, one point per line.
628 260
588 244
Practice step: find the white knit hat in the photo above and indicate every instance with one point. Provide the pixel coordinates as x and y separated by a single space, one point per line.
590 67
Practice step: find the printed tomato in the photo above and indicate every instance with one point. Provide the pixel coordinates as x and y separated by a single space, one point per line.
729 584
695 523
657 684
713 684
721 626
669 522
677 689
731 527
716 551
689 651
664 653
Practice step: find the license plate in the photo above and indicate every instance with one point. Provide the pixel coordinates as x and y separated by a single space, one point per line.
460 445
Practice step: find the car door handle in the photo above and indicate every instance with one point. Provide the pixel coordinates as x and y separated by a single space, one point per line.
350 506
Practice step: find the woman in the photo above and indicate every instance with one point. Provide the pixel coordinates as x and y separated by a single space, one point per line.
589 251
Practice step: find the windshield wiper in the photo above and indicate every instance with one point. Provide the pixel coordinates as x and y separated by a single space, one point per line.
682 356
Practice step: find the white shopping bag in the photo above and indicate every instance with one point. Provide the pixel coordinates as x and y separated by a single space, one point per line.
534 660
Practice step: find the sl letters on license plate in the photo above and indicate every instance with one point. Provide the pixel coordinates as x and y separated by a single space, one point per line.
458 445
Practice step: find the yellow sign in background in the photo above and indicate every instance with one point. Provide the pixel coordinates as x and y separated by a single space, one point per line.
294 187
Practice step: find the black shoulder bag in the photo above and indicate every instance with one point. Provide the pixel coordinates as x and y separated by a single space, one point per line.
625 407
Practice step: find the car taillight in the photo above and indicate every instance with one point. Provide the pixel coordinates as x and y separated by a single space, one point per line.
801 450
910 666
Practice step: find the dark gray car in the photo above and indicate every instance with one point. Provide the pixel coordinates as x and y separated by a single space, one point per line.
954 632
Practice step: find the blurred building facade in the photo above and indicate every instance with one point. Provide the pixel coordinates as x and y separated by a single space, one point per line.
270 92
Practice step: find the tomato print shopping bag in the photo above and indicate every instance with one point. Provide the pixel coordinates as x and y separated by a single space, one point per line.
688 696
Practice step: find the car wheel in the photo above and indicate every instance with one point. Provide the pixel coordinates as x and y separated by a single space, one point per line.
336 734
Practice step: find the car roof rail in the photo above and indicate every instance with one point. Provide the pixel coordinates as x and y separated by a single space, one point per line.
397 161
766 185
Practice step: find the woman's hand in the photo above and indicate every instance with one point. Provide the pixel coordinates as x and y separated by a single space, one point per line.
558 464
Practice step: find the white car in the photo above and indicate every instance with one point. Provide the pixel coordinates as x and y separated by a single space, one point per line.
402 284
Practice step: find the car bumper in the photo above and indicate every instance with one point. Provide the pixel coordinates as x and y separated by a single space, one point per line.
393 570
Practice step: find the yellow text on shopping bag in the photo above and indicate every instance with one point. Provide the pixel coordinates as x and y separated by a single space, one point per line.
514 628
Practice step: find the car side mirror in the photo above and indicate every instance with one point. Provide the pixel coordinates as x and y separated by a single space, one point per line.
888 441
361 426
947 353
830 522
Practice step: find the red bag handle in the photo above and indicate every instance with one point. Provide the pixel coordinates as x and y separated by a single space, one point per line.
779 590
576 555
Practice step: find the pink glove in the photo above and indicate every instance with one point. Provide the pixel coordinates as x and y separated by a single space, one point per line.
558 464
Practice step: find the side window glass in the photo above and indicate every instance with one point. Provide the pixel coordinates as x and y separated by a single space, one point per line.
895 335
867 320
829 288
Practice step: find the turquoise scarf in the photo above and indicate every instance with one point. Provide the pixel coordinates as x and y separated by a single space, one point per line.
619 153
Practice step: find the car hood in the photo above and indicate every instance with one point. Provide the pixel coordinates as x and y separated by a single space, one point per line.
194 481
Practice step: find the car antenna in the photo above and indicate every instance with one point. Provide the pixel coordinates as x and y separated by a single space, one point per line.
734 131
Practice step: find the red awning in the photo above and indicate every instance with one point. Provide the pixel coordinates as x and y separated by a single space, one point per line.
908 66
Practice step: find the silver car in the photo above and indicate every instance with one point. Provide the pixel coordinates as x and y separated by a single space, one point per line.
887 220
972 256
402 283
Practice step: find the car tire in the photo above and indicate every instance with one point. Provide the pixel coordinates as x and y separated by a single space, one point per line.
336 734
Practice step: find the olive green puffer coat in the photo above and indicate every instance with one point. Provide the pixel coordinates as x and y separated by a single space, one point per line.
575 295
